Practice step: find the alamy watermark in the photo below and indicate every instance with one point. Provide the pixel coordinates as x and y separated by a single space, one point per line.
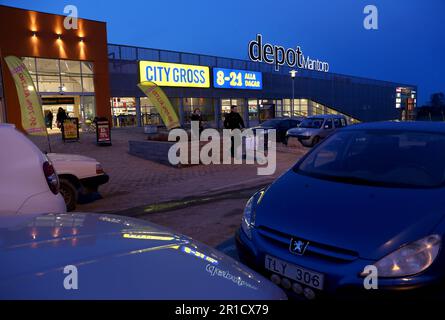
233 147
71 18
71 281
371 20
371 279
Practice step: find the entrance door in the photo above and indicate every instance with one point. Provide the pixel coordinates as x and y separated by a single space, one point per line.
51 105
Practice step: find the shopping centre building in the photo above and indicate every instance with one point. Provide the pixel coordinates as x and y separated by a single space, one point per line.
78 70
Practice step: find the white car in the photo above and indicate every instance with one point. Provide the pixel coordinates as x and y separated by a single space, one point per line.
28 181
78 175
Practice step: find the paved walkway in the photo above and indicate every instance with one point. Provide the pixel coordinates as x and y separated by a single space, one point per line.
136 182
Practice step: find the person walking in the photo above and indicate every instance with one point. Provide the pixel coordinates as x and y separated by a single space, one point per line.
196 116
233 120
49 119
60 118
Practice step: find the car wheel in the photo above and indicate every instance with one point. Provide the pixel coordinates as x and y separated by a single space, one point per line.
69 193
315 141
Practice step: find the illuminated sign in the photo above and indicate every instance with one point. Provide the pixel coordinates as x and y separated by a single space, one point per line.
279 56
174 74
237 79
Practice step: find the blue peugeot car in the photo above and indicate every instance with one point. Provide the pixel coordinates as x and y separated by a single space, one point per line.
363 210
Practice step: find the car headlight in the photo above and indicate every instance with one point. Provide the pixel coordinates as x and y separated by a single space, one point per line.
248 220
410 259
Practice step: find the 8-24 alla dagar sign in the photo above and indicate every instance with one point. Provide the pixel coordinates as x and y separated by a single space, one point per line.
278 56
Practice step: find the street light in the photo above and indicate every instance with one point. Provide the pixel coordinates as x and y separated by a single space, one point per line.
293 74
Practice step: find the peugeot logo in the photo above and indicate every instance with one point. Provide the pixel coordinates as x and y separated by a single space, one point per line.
298 246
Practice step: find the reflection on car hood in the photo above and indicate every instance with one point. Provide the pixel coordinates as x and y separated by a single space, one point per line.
372 221
118 258
302 131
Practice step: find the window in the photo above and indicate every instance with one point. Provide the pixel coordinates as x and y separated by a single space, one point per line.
339 122
205 105
55 76
253 109
411 159
328 124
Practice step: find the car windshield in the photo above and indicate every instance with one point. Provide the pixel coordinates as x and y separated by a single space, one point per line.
376 157
311 123
271 123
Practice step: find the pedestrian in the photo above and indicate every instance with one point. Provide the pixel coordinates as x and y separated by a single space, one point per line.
196 116
49 119
232 121
60 118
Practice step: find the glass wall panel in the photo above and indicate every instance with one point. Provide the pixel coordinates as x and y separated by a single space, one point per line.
253 109
49 83
149 113
89 107
205 105
71 84
87 68
47 66
123 111
70 67
88 84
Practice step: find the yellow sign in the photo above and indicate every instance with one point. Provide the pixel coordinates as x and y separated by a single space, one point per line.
71 129
162 104
174 75
31 109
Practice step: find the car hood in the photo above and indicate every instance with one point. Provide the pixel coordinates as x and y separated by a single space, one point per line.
260 127
118 258
58 157
302 131
369 221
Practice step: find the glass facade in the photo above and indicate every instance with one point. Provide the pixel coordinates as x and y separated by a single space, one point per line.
70 79
123 111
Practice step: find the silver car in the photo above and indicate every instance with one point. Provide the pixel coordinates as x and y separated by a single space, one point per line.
98 256
314 128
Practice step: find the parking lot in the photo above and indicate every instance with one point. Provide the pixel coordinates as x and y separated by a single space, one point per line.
204 202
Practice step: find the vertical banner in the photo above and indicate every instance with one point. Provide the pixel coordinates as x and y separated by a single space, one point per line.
162 104
31 109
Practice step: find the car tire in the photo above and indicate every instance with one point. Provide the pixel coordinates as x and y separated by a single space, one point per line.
69 193
315 141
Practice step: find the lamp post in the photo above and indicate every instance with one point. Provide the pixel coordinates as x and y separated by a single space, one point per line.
293 73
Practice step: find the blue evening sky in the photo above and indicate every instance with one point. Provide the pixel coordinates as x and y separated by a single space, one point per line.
408 47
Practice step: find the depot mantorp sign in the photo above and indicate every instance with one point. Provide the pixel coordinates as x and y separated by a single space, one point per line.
278 56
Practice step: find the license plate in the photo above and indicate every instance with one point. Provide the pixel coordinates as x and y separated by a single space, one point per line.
304 276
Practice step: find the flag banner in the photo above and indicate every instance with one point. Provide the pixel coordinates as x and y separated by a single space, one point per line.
30 106
162 104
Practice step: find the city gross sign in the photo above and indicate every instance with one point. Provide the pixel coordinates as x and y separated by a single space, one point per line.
279 56
174 74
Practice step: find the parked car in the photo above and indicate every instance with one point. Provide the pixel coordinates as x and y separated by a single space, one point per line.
281 125
28 181
314 128
78 175
369 195
115 257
